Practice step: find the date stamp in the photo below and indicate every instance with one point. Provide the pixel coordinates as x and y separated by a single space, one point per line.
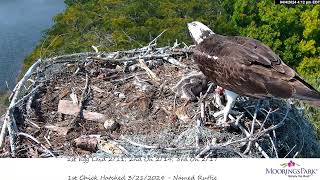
141 168
296 2
141 177
86 159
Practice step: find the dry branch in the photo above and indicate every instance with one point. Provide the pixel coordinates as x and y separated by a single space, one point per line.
151 74
255 143
9 122
84 97
36 141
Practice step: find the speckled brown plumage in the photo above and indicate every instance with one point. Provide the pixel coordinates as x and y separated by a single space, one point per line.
248 67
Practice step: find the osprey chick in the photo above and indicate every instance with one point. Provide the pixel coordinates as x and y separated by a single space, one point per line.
247 67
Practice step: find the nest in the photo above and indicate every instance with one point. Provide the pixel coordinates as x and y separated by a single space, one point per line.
129 104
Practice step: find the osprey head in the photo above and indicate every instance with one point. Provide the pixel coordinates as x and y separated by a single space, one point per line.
199 31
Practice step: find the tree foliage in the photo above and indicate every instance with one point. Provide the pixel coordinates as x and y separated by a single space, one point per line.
293 32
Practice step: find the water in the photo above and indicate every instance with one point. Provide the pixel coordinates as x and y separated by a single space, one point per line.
22 23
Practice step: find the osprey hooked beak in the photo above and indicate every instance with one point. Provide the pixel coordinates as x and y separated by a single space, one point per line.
199 31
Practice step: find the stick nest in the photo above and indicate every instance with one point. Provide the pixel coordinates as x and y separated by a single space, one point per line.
137 92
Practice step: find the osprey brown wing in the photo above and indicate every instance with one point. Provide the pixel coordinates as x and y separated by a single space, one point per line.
248 67
302 90
266 54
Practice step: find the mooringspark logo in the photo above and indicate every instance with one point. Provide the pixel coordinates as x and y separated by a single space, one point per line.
289 164
292 169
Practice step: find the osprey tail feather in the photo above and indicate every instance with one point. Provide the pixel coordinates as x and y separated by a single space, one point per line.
315 103
306 92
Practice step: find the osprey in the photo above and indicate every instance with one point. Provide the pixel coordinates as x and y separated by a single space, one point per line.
247 67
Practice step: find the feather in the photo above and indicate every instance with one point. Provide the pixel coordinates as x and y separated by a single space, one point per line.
248 67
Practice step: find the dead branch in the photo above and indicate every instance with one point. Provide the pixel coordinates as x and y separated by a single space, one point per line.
175 62
139 145
248 135
155 147
209 148
253 124
155 39
36 141
151 74
9 122
84 97
273 146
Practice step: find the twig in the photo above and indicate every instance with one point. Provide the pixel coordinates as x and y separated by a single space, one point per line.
213 147
256 144
155 39
254 138
175 62
176 44
202 107
281 123
273 146
140 145
124 150
266 118
12 130
290 151
155 147
151 74
202 100
24 98
9 123
183 134
221 145
8 87
134 58
95 48
252 125
270 138
301 131
36 141
208 90
198 133
47 141
84 97
259 134
199 123
29 110
296 154
28 105
33 124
